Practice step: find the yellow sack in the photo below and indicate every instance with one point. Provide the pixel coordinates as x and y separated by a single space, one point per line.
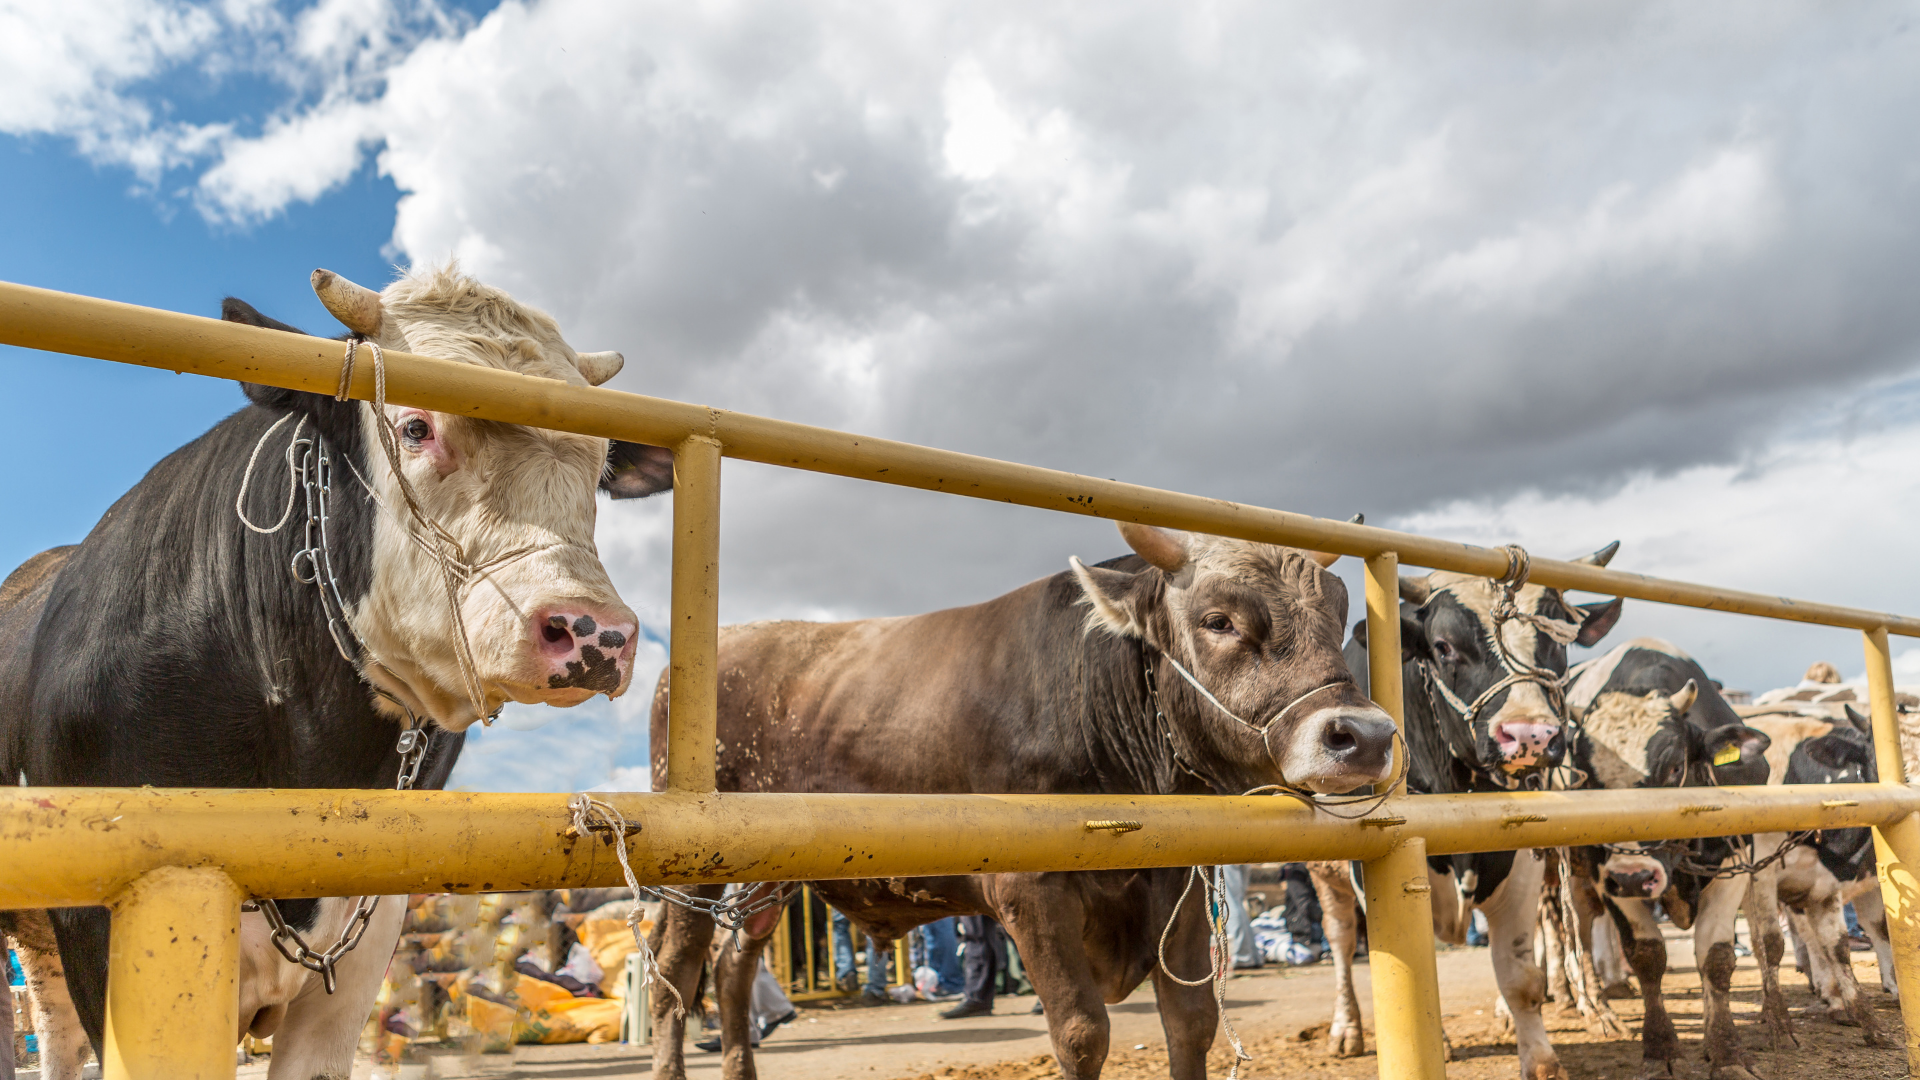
493 1023
592 1020
610 941
534 994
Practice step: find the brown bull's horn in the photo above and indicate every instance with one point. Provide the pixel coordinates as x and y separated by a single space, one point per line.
1601 557
1415 590
1158 546
356 306
598 367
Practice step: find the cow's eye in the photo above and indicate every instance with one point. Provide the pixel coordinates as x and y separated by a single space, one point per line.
1443 649
1217 623
417 430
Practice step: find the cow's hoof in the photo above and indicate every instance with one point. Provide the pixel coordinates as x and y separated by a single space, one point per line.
1732 1072
1655 1069
1842 1015
1546 1070
1620 991
1608 1026
1345 1044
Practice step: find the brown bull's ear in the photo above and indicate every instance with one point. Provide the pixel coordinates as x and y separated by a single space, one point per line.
1160 548
636 470
1596 619
1111 595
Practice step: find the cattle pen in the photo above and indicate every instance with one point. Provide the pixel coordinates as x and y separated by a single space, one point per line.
171 863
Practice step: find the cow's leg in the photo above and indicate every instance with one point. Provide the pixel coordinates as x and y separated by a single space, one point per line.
317 1037
63 1042
1769 944
1713 956
1188 1014
1340 920
1591 925
679 941
1872 911
1047 919
736 964
1647 954
1820 922
1511 912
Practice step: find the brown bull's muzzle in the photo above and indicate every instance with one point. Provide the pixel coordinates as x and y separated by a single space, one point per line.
1339 748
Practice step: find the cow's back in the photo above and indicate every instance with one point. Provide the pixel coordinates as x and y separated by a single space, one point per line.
983 698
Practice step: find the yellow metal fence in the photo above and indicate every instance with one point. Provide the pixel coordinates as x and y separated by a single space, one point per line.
174 865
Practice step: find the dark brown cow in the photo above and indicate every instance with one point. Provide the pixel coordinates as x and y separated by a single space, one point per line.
1048 689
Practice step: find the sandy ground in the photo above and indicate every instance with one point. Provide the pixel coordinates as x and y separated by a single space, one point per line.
1281 1015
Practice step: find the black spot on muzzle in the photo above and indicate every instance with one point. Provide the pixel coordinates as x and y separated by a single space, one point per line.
595 670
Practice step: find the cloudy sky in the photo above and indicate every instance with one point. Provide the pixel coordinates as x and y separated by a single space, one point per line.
1555 273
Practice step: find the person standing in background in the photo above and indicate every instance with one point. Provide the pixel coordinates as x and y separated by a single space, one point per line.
985 945
875 990
1240 942
941 941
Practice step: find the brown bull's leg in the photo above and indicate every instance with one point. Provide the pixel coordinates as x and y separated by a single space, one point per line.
1188 1014
680 941
734 970
1340 921
1048 922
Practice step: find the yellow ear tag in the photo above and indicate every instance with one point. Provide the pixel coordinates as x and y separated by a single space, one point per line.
1728 754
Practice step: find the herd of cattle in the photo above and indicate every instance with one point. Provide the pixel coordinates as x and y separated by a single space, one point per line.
342 626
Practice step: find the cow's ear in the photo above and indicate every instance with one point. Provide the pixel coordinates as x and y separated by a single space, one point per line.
1413 641
1738 754
236 310
1113 597
1596 619
1861 722
636 470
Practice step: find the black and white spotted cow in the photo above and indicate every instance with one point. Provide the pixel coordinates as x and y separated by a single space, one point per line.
1828 743
1481 674
1648 716
228 669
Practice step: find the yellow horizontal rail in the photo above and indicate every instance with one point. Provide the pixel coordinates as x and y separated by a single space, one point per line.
77 846
85 326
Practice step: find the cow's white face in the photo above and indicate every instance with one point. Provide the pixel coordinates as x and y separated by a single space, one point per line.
543 621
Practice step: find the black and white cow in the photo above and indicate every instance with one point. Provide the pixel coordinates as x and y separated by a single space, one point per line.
1827 743
1480 672
1647 716
179 644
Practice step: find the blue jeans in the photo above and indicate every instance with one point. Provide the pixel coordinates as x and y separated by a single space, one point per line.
943 954
843 954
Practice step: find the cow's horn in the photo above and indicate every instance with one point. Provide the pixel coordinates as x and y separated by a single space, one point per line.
1415 590
598 367
1601 557
356 306
1158 546
1323 558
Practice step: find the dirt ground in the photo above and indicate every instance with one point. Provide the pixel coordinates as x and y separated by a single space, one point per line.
1281 1015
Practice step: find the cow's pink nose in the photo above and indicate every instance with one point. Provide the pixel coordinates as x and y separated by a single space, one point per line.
583 648
1525 745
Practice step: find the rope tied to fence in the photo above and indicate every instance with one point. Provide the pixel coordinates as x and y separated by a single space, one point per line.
590 814
1219 954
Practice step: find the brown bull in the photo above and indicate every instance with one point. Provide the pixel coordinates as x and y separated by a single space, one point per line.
1070 684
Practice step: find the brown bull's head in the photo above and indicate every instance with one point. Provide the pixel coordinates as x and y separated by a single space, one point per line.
1258 627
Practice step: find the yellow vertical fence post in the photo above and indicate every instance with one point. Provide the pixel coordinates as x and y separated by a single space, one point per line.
693 684
173 965
1896 847
903 960
1406 984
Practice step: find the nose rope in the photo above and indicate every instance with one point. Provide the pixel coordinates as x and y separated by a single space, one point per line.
1459 716
445 550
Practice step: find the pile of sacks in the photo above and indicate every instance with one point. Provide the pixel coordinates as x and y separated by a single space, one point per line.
481 973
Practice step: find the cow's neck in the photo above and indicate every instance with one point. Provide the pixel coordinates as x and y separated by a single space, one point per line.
236 651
